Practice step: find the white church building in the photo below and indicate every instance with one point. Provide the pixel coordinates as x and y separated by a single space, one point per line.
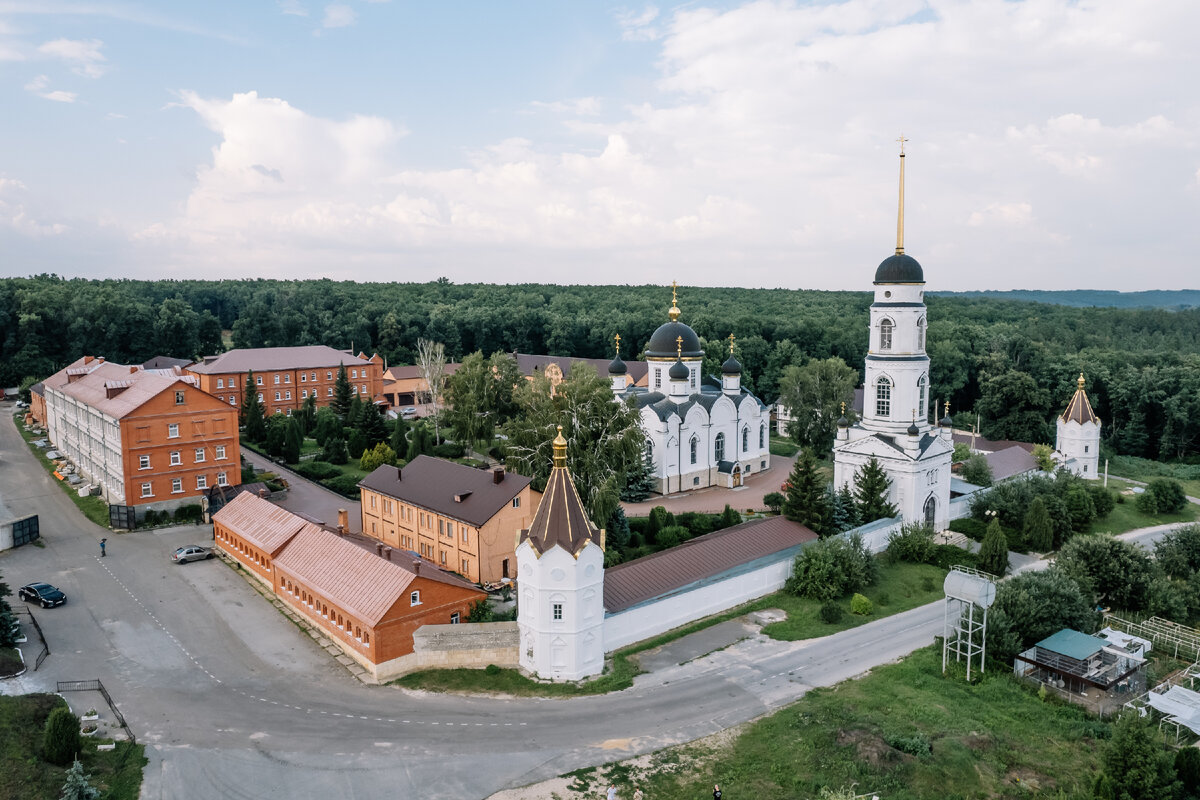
895 428
1078 436
700 432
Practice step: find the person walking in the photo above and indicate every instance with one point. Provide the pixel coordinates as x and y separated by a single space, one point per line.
612 792
103 542
637 794
716 792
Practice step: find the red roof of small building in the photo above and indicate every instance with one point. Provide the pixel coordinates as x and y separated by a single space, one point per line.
708 556
260 522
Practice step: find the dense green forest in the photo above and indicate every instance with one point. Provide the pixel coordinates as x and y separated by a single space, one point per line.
1014 363
1151 298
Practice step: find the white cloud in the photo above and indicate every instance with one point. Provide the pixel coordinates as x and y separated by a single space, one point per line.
60 96
763 154
38 84
638 26
83 54
15 215
292 7
338 15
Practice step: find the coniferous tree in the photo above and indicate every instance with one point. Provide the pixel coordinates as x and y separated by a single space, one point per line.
371 424
1038 529
993 552
276 432
308 414
293 441
871 485
252 412
804 494
61 740
847 509
617 535
327 424
335 451
399 438
77 786
343 394
640 483
8 620
354 415
729 518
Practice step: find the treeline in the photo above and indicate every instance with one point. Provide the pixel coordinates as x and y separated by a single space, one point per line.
1013 363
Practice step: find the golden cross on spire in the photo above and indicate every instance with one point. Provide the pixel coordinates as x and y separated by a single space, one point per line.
843 408
902 140
947 411
617 339
1081 381
674 290
731 338
679 347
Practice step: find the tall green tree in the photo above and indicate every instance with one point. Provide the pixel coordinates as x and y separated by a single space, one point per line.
640 482
1136 764
399 438
327 425
252 411
1013 406
61 739
1038 529
1033 605
293 441
804 494
479 396
604 436
77 786
307 415
993 551
1116 572
977 471
813 395
371 424
343 394
871 491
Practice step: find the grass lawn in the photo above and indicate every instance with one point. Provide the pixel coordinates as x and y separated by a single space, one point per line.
783 446
904 732
1143 469
94 508
903 586
1126 517
117 773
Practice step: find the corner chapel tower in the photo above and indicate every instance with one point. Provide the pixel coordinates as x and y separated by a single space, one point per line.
895 427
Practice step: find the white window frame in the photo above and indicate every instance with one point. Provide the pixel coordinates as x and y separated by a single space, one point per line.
883 396
220 383
173 430
220 452
222 479
200 455
886 328
176 485
147 490
176 458
143 462
201 481
414 598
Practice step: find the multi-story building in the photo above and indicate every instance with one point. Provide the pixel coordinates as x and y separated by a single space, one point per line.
287 376
464 520
147 438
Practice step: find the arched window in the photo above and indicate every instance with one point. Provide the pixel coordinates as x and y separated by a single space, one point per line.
921 333
745 439
762 436
922 389
883 397
694 445
930 510
885 334
719 447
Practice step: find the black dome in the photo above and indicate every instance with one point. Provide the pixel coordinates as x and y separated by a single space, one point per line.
947 422
663 343
843 422
617 367
679 371
899 269
913 430
731 367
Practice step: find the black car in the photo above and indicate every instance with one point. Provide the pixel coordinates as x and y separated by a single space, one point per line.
49 596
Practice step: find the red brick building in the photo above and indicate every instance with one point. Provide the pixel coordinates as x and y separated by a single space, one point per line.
287 376
369 604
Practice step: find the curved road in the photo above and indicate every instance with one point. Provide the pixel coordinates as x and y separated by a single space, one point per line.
233 701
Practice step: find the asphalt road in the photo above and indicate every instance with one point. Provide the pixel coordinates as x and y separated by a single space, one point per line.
233 701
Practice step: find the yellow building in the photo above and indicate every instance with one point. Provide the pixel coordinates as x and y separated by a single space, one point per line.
465 520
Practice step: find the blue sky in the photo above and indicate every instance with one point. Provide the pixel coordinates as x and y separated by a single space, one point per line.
1052 144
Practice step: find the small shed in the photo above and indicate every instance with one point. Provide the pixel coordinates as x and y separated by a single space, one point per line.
1078 664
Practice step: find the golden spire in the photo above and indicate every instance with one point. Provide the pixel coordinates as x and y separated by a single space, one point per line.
560 450
731 338
1081 381
679 348
947 411
617 339
900 216
673 313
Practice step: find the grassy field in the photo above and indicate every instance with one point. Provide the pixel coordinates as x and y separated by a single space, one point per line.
94 508
900 586
783 446
117 773
1143 469
1126 517
904 731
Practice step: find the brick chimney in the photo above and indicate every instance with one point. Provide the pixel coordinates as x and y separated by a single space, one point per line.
262 493
399 474
387 553
379 548
343 520
416 567
498 475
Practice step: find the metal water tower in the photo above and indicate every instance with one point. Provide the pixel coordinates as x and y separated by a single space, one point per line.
969 595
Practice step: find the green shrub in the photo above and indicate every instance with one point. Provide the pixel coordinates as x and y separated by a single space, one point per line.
61 740
1103 499
861 605
926 584
1168 494
969 527
344 485
773 501
672 536
912 543
317 470
449 450
491 669
831 568
830 613
916 744
1147 503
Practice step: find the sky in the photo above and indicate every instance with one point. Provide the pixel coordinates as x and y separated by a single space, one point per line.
1051 144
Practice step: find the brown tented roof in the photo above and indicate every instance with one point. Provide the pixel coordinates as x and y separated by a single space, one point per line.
355 579
1079 409
266 359
261 523
703 558
433 484
561 518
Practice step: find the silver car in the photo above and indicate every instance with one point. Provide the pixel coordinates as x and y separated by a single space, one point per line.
191 552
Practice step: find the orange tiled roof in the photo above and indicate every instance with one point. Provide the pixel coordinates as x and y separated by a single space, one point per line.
96 379
261 523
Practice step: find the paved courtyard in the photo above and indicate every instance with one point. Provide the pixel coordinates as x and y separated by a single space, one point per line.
748 497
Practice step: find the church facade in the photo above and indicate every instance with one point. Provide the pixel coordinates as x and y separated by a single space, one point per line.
700 431
895 428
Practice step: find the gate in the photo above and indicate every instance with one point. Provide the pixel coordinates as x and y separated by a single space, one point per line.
25 530
122 518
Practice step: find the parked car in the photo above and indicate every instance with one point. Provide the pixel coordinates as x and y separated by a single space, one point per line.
49 596
408 412
191 552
